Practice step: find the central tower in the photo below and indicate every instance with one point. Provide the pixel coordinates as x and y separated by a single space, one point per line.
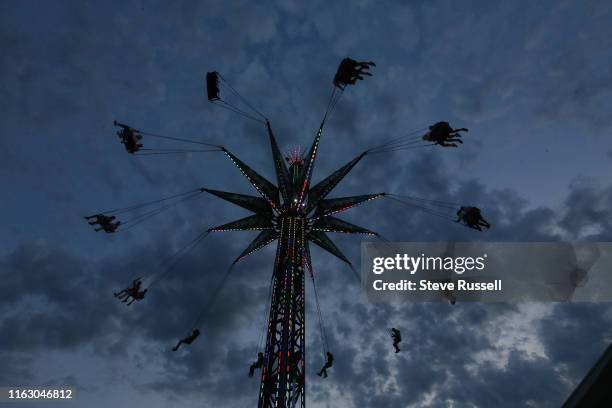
295 213
282 382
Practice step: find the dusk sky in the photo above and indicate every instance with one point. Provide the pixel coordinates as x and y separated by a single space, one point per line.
531 80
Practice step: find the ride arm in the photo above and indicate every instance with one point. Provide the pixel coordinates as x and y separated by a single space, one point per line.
263 239
255 204
333 224
253 222
282 174
337 205
324 187
267 190
322 240
306 175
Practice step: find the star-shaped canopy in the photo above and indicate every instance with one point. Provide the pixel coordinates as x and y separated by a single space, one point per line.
293 192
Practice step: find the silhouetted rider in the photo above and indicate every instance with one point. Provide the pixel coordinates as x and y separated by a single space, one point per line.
328 364
129 137
443 134
257 364
397 338
349 71
187 340
472 217
99 219
138 296
104 221
130 291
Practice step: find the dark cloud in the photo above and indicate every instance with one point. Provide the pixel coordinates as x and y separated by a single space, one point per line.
588 211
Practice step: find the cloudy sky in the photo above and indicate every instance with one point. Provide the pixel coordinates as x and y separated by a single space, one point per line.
531 80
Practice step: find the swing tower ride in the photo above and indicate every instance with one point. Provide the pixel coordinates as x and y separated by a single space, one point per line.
294 213
291 211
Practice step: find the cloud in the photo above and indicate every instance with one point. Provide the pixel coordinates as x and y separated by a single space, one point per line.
446 350
588 210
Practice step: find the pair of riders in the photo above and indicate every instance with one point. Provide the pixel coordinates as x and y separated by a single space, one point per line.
472 217
104 221
395 335
129 137
350 71
297 357
259 363
443 134
132 292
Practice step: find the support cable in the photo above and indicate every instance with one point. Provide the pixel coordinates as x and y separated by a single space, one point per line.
150 214
244 100
178 139
136 206
261 337
329 103
404 148
156 152
400 140
225 105
324 341
179 255
400 144
423 208
213 298
439 203
335 103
